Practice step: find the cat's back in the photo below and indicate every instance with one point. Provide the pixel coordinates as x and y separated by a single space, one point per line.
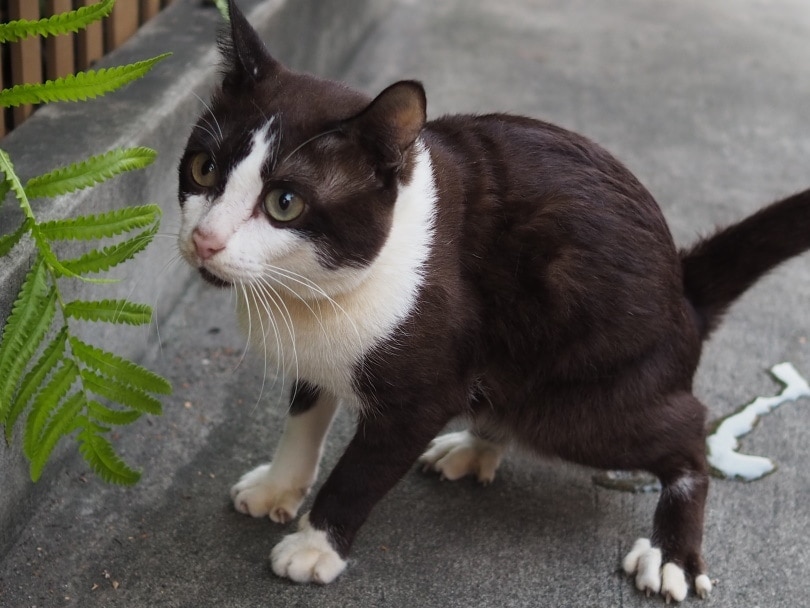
556 235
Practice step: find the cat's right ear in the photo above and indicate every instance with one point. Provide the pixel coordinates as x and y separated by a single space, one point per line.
246 58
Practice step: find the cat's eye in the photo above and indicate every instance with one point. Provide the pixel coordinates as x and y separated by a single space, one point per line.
283 205
204 170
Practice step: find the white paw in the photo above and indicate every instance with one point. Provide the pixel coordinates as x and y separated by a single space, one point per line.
264 492
644 561
307 556
456 455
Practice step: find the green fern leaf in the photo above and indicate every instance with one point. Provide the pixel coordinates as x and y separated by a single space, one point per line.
13 182
8 241
89 172
63 421
111 311
63 23
51 356
99 260
121 393
100 455
46 401
222 5
77 87
4 188
104 225
126 372
30 318
108 415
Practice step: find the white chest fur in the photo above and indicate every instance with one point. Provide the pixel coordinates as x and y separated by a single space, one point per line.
321 334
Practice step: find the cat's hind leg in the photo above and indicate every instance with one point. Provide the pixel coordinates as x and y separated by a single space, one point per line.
664 563
278 488
456 455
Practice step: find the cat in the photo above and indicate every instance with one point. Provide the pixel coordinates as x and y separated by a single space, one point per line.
492 267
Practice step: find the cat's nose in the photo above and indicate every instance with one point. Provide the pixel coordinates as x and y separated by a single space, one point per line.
206 244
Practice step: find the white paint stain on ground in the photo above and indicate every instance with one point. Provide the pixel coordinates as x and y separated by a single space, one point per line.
722 445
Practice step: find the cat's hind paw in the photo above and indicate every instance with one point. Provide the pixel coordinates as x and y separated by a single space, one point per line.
262 492
307 556
644 561
456 455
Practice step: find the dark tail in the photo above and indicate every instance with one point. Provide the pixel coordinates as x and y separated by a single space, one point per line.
718 269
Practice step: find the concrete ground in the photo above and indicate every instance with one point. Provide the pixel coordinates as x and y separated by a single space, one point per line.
707 102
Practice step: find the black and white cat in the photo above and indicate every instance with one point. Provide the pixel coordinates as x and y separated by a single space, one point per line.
493 267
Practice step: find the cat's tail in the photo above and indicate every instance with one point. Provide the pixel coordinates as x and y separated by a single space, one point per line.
718 269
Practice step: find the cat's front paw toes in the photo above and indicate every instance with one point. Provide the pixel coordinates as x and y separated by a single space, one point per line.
644 561
307 556
456 455
262 492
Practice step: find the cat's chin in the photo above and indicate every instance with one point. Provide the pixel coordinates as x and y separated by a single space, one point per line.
213 279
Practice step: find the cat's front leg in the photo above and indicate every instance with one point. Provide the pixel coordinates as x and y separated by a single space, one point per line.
380 453
277 489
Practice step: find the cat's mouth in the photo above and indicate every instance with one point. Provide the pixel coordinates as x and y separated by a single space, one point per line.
213 279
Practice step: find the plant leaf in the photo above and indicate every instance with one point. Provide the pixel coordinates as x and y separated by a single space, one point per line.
46 401
108 415
77 87
13 182
111 311
63 23
63 421
104 225
99 260
100 455
30 318
121 393
8 241
119 369
89 172
51 356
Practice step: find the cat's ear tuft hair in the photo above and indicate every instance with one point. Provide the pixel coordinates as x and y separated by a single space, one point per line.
246 58
393 121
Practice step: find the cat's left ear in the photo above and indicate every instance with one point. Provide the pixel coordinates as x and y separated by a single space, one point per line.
247 59
392 122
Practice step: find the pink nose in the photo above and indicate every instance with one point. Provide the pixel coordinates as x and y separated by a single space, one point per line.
206 243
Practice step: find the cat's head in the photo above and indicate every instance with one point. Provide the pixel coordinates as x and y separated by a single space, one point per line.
292 175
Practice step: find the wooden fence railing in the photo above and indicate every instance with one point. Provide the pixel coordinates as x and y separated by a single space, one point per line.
37 60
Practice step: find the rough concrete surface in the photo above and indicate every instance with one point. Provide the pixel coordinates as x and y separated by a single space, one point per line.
707 104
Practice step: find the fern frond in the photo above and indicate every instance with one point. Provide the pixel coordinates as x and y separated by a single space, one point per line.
99 260
51 356
121 393
103 225
63 422
8 241
126 372
89 172
63 23
222 5
30 318
111 311
100 455
77 87
46 401
4 188
13 182
108 415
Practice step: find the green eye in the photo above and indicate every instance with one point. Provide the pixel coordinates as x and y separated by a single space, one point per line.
204 170
283 205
